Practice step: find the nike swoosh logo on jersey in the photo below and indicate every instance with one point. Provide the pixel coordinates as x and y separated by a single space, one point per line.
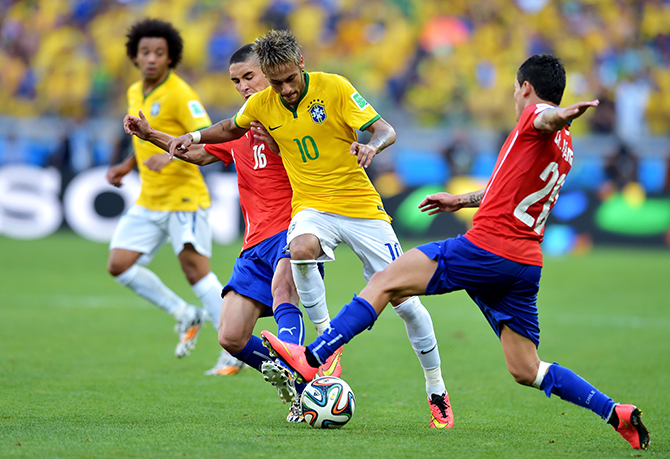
276 127
429 350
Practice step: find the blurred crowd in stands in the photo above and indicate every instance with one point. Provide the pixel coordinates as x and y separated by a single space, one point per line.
429 63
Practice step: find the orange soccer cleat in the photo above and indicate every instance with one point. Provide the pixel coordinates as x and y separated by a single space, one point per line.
332 366
441 415
292 354
630 426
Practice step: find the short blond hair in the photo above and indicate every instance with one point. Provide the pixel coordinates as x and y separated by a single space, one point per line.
276 49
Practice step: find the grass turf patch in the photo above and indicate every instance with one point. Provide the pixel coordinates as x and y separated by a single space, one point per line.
87 368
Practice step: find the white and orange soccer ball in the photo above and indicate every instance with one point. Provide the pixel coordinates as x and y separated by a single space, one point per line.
328 403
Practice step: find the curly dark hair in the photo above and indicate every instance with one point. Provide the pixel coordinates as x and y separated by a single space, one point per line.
155 28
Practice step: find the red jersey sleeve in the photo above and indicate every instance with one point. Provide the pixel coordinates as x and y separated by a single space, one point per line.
226 151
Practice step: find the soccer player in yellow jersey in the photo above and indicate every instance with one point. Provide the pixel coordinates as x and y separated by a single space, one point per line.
174 201
313 117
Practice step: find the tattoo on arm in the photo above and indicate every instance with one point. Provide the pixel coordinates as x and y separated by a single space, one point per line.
380 137
472 199
223 128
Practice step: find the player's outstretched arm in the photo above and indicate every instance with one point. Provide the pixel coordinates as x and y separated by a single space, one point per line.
554 119
445 202
223 131
383 135
139 127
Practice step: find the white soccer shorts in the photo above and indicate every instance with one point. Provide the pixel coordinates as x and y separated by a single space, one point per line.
145 231
372 240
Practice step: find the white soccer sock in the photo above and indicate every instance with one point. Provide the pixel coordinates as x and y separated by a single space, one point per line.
312 292
434 381
208 289
541 372
419 327
149 286
322 326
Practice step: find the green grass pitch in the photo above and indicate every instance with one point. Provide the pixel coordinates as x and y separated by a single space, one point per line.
87 368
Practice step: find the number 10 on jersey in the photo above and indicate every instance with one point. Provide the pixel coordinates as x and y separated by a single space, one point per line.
304 148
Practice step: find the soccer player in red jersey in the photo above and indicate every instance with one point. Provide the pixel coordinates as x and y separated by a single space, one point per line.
261 283
499 260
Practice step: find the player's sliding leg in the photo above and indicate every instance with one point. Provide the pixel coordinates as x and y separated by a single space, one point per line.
402 278
352 319
408 275
421 334
377 246
527 369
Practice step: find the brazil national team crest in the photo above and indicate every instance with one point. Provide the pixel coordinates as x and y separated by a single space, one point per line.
317 111
155 108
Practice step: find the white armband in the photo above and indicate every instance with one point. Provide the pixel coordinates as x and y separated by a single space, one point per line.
196 136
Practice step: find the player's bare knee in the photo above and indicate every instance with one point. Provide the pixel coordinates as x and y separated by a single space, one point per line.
283 294
230 342
525 378
116 268
192 276
302 253
381 284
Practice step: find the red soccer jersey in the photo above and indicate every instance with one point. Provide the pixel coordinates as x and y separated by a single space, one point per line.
529 172
265 192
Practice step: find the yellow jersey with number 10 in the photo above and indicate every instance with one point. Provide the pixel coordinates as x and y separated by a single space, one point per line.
173 108
315 141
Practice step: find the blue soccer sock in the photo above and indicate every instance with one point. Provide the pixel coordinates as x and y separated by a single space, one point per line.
290 326
572 388
254 353
354 317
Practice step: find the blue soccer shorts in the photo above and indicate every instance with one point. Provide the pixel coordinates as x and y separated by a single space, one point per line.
254 268
504 290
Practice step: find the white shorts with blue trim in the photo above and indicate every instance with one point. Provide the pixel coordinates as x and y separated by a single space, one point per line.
372 240
145 231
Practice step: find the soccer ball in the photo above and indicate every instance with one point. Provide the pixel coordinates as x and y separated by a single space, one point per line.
327 403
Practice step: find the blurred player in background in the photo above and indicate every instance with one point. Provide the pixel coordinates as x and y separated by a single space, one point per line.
261 278
499 260
314 117
174 201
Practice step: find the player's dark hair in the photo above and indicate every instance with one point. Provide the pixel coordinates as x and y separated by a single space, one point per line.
547 75
155 28
244 54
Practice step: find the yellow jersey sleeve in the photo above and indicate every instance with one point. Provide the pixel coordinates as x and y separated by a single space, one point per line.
356 111
173 108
